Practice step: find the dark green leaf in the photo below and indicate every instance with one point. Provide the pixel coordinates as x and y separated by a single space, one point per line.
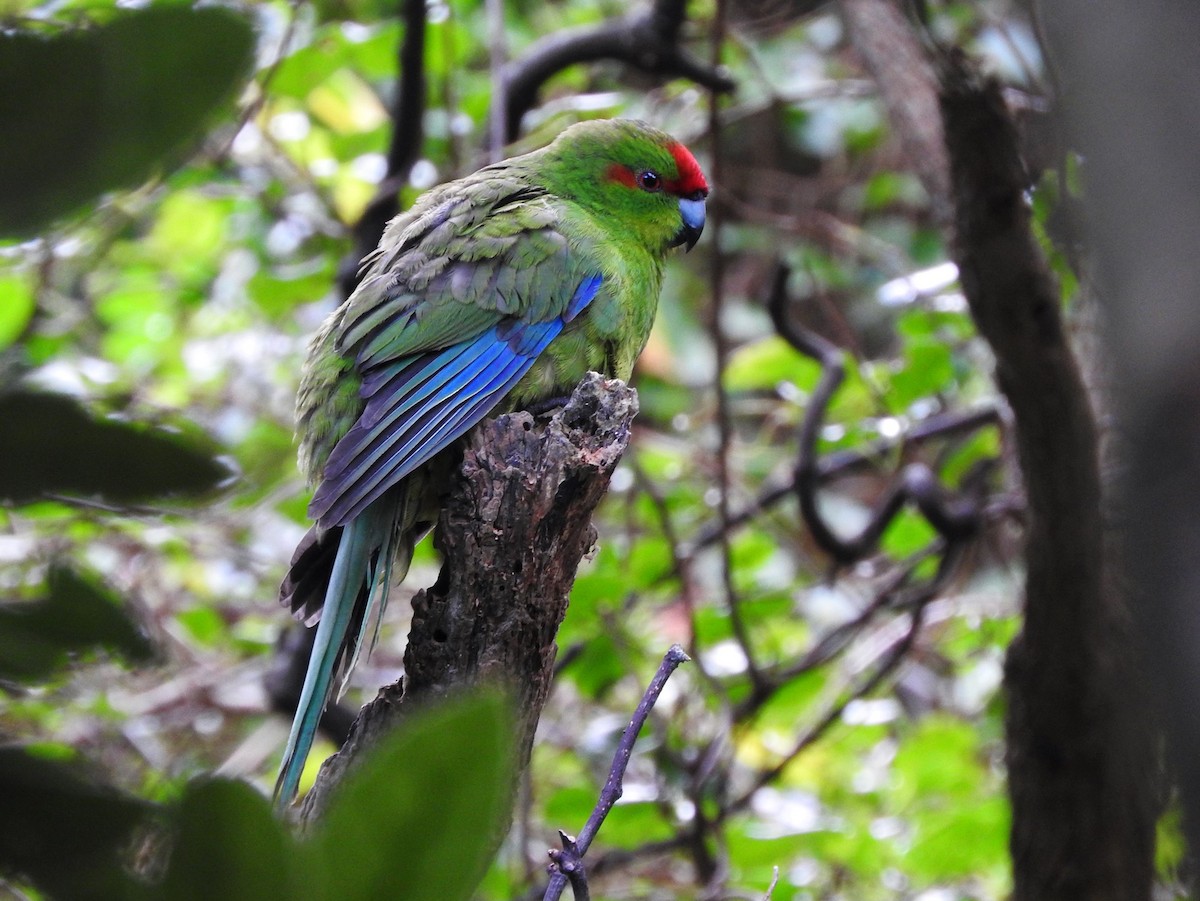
228 845
88 111
60 829
421 818
50 445
75 615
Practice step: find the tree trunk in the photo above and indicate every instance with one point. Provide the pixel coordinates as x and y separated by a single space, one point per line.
1128 76
1080 749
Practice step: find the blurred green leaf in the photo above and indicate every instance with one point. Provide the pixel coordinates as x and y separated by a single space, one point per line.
938 758
767 362
17 308
959 840
277 293
908 533
420 819
598 666
928 369
629 824
204 624
36 637
228 845
61 830
51 445
92 110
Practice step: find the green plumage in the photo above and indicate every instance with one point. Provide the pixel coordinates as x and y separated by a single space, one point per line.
495 291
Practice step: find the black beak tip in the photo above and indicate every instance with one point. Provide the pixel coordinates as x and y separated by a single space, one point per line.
687 236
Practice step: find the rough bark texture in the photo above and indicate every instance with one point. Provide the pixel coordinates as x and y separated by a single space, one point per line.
514 526
1080 751
909 89
1128 76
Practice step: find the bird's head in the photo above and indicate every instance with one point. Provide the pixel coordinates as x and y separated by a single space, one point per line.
632 171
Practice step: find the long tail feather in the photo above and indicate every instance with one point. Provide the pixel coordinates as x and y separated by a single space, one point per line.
358 583
392 563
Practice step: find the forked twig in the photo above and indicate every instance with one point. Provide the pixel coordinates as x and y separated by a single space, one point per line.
567 864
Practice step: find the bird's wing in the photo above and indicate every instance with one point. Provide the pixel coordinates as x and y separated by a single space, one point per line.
443 328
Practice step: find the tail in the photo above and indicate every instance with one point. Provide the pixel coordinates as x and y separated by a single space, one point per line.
358 560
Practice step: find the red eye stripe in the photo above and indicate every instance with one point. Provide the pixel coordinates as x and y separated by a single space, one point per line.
622 175
690 182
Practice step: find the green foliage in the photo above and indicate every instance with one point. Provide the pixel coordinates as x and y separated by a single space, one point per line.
939 778
385 833
61 829
227 844
17 309
388 833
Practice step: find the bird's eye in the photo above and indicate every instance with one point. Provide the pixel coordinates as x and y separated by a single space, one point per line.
649 180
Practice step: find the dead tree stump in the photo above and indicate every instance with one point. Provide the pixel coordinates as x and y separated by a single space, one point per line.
515 523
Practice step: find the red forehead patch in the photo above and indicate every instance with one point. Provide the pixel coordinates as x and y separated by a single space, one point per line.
691 178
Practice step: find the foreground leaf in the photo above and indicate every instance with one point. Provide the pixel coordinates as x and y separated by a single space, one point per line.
423 815
88 111
228 845
51 446
61 830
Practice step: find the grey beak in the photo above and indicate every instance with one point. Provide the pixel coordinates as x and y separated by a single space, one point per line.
691 212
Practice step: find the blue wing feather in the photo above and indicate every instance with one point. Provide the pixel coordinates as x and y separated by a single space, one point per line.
583 295
418 406
396 400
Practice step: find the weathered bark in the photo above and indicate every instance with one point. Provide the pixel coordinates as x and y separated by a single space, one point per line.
514 525
1128 76
908 87
1080 750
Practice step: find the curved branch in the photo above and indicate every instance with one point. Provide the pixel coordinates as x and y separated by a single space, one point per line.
955 519
646 40
941 425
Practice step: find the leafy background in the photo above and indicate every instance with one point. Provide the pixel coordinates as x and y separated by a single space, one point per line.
151 339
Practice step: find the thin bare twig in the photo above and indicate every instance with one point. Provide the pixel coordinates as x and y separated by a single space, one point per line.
774 882
497 55
721 352
680 565
882 671
567 864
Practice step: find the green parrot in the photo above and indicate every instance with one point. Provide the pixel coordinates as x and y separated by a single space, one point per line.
494 292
